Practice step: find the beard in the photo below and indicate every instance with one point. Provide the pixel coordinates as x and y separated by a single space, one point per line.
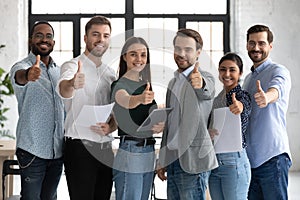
257 58
95 52
35 50
183 65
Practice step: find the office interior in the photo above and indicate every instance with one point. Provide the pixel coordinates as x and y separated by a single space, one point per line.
224 29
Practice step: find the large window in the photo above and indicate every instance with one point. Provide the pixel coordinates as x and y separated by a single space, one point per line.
157 21
180 7
210 18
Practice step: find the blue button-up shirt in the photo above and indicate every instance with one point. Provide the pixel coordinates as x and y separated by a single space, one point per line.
267 135
41 114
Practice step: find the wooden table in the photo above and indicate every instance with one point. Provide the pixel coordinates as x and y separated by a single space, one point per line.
7 151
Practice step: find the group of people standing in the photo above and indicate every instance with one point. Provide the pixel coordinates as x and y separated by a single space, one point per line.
50 99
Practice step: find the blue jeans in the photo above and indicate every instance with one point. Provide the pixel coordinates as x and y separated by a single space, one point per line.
230 181
133 171
270 180
182 185
39 177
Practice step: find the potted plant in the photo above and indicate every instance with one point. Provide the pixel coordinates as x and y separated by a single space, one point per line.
6 89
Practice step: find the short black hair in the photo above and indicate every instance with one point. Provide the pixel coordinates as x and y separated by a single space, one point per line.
38 23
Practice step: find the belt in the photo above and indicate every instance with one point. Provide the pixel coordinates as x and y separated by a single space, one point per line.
141 141
103 145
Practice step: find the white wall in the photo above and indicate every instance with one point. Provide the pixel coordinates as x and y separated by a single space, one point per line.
13 34
282 16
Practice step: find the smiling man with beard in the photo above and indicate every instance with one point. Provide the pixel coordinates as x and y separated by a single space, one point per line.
269 85
186 153
85 80
40 125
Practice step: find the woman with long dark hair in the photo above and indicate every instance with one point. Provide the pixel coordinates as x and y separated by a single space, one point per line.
134 100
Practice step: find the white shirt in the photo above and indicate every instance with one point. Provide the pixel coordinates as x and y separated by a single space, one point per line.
96 91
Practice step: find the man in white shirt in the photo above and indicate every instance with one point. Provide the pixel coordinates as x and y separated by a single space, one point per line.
85 80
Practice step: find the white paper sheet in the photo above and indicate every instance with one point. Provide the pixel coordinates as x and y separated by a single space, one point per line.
90 115
229 127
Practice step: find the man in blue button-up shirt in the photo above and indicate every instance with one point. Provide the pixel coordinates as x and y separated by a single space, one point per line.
269 85
40 125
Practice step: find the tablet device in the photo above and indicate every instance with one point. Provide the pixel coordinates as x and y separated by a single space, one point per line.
156 116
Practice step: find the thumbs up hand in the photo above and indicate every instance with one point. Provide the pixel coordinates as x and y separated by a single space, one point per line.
236 107
147 96
196 78
34 72
79 77
260 96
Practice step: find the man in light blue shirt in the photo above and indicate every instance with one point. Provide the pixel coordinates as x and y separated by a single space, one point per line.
268 150
41 114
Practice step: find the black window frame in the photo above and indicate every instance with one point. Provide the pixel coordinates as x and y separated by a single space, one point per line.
129 17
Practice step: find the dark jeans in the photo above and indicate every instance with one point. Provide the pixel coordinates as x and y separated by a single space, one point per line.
270 180
39 177
88 170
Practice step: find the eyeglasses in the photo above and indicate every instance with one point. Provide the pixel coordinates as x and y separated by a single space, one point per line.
260 44
41 36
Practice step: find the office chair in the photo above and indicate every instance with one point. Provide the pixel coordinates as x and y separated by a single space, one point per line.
9 169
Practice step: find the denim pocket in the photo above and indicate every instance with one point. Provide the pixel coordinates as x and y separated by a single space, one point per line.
228 161
24 158
288 161
247 172
133 159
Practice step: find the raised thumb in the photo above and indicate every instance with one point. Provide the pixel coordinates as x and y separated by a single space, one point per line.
258 86
37 61
233 98
79 66
197 64
148 86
